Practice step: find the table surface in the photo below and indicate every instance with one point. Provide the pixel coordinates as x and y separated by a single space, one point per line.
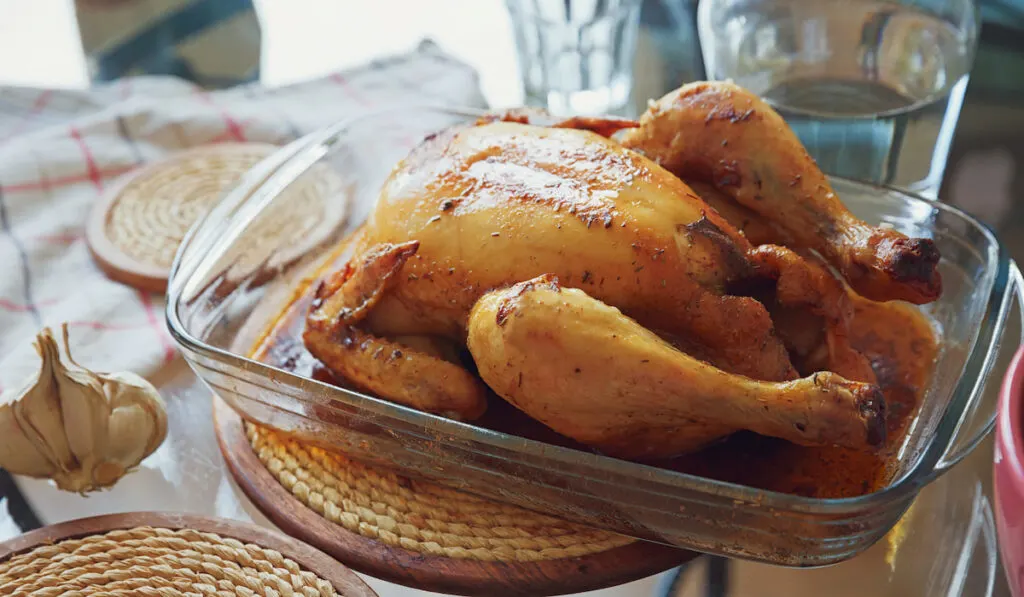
948 548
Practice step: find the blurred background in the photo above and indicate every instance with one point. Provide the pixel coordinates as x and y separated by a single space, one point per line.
219 43
77 44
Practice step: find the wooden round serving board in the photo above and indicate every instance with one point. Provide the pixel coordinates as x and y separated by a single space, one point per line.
141 524
628 561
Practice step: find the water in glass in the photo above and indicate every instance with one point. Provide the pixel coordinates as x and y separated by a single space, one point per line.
576 56
872 89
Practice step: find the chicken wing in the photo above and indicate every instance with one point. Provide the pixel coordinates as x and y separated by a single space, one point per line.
406 374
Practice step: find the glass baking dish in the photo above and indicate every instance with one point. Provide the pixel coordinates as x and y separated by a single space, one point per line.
237 270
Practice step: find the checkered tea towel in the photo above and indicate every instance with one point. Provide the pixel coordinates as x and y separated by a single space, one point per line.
59 149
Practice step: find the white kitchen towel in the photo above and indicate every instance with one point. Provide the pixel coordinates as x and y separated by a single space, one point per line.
60 149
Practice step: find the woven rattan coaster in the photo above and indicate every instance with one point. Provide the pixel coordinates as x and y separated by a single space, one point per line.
418 516
419 533
167 554
135 229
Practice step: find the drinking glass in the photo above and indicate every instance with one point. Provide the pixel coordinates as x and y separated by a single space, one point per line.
576 56
872 88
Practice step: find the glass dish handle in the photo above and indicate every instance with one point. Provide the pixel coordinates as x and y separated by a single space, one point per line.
978 418
975 567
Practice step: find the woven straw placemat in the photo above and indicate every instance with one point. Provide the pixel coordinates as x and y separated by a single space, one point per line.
416 515
166 555
137 226
422 534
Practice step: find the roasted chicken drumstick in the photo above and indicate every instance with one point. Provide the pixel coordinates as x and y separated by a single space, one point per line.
591 373
723 135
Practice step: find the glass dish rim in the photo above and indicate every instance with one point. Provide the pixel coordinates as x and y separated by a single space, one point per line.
294 159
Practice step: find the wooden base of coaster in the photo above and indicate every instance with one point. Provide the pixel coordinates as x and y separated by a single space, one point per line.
137 225
412 563
158 553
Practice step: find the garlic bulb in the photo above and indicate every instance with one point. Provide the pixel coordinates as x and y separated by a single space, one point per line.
82 429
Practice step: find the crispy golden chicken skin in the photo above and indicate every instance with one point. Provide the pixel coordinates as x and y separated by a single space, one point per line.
503 202
476 210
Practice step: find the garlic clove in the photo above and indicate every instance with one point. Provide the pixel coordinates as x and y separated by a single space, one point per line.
85 408
138 421
33 416
17 451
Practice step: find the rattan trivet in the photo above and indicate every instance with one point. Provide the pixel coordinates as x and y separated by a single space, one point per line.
165 555
135 229
420 534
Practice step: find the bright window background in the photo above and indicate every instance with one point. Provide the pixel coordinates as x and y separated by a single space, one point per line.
39 44
301 39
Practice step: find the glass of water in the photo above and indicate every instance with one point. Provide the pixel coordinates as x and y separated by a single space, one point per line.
872 88
576 56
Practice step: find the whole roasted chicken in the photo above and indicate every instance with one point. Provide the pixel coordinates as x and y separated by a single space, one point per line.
597 292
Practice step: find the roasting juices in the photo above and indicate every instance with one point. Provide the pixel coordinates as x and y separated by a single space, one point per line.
897 338
902 346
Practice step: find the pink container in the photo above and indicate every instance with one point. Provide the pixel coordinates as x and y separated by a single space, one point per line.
1009 474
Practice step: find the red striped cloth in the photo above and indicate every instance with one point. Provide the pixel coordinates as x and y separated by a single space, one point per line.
59 149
